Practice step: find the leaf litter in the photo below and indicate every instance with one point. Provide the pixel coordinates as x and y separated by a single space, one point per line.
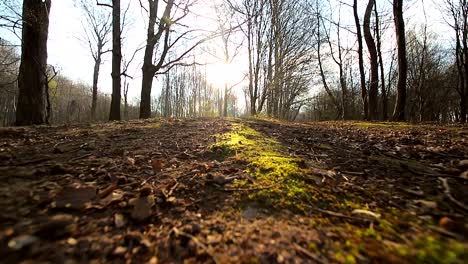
234 191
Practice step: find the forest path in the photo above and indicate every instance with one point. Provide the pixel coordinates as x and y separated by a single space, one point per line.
234 191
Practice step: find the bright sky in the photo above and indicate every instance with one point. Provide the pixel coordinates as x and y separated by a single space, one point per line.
73 59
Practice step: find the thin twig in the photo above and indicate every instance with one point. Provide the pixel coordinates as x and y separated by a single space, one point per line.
81 157
197 242
248 189
335 214
449 195
307 253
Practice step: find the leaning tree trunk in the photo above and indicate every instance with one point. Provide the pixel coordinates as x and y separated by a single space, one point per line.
374 81
97 66
399 111
32 80
361 60
116 61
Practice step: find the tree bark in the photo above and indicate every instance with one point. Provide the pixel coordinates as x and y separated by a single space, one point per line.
374 81
116 62
149 69
97 65
32 80
399 111
361 60
384 99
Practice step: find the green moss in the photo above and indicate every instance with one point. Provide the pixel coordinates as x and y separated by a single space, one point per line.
429 249
280 175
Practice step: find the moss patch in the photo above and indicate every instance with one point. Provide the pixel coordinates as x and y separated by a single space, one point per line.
280 175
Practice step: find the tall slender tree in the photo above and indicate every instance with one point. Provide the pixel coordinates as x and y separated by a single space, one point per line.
116 61
32 81
374 70
399 111
97 28
362 74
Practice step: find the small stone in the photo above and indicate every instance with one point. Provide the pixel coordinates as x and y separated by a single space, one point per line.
21 241
119 220
447 223
119 251
250 213
142 207
463 164
464 175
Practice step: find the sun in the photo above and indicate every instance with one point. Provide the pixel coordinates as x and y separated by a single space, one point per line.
221 74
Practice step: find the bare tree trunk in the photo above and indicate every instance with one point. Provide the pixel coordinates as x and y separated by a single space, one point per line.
361 60
97 65
322 73
149 69
225 107
32 80
399 111
374 81
382 72
116 61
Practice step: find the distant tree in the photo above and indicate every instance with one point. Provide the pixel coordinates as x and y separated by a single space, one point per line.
320 65
33 81
399 111
457 10
97 28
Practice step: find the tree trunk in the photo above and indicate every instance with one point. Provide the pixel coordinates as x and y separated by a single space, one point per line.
116 61
399 111
361 60
32 79
97 65
382 72
225 107
374 81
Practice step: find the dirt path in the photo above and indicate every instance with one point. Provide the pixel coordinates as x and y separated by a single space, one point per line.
234 191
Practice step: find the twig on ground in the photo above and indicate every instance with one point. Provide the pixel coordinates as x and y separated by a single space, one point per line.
450 196
307 253
445 232
81 157
432 174
335 214
197 242
248 189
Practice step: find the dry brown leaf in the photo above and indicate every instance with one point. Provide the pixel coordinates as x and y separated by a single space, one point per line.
157 165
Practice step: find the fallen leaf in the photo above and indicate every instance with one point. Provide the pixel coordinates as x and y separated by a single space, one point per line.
157 165
115 197
131 161
75 198
142 207
447 223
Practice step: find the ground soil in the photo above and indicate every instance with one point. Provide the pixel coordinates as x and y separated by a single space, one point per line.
156 191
